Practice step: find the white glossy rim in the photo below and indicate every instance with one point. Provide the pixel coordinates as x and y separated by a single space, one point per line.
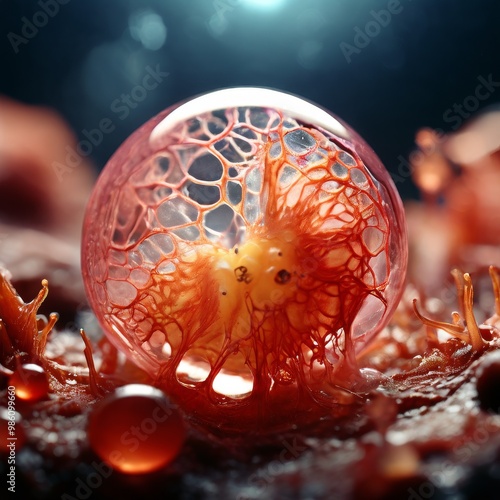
249 96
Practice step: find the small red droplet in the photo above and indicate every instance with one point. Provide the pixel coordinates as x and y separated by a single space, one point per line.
30 382
136 429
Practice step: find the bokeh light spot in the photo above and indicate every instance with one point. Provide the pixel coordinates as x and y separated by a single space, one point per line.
148 28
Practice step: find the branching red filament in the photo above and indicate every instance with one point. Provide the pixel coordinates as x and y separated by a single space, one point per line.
243 253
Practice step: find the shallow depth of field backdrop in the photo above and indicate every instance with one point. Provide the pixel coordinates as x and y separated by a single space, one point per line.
387 67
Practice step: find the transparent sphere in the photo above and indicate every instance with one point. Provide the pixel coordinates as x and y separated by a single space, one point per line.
30 382
136 429
242 247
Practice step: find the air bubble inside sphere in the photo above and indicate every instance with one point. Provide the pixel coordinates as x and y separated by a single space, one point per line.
242 247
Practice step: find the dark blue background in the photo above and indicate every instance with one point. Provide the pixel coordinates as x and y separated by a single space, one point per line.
427 58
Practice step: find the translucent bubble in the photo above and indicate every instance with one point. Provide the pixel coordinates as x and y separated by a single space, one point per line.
136 429
30 382
258 235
